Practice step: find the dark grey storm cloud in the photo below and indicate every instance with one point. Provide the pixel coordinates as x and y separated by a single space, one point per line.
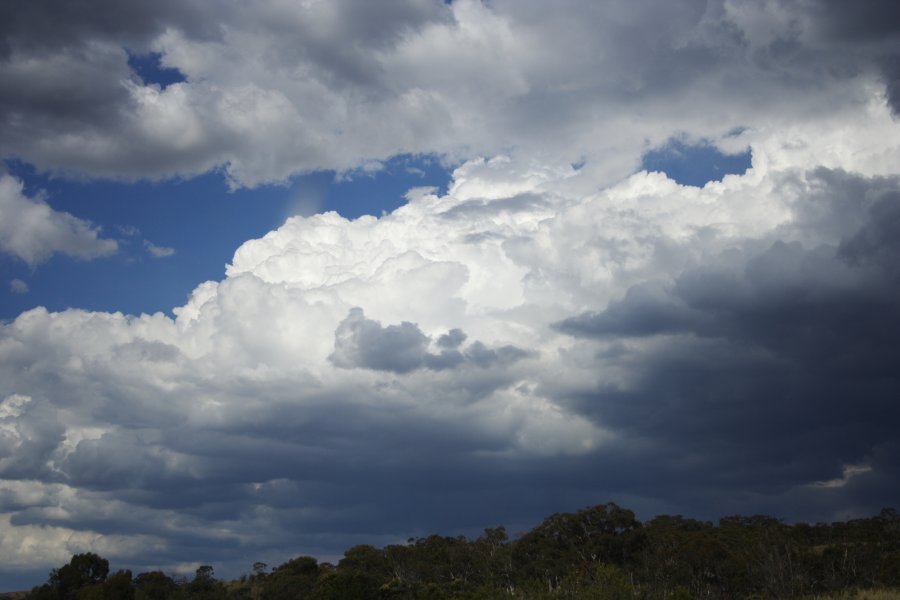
43 26
877 243
773 364
871 21
452 339
63 64
485 357
362 342
646 309
445 359
875 24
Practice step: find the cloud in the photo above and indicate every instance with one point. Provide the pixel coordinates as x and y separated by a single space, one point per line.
636 342
776 339
28 436
452 339
33 231
278 90
361 342
17 286
878 241
486 357
158 251
557 320
128 230
849 472
364 343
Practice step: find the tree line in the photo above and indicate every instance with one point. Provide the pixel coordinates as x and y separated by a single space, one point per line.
602 552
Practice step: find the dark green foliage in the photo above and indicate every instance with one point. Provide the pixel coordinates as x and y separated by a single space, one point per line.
567 542
337 586
116 587
599 553
204 586
85 572
82 571
361 573
43 592
294 579
154 585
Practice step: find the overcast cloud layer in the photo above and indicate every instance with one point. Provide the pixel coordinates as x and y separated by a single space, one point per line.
558 329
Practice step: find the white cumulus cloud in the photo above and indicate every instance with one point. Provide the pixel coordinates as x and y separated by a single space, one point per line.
276 89
526 317
33 231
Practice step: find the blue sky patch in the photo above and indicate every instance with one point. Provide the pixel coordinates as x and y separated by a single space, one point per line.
149 68
696 164
175 234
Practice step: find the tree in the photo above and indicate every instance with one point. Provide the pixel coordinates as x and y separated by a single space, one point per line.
367 561
154 585
259 570
494 558
605 533
294 579
116 587
83 570
204 586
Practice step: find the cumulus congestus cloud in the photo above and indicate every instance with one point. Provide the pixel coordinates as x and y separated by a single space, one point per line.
571 333
777 339
556 328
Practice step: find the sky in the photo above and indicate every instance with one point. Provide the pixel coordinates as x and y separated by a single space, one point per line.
278 278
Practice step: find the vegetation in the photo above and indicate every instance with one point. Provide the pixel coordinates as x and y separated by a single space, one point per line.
601 553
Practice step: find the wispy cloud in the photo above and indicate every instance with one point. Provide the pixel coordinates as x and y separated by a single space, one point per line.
850 471
158 251
17 286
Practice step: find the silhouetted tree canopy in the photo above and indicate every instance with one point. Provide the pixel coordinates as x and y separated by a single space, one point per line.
601 552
